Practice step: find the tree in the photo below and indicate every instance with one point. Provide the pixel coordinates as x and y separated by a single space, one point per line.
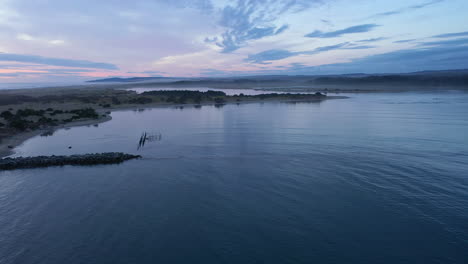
219 100
19 124
6 114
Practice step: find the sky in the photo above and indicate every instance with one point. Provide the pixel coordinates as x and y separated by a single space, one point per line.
73 40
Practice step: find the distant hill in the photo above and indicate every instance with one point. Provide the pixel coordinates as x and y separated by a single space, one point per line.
458 78
131 79
429 78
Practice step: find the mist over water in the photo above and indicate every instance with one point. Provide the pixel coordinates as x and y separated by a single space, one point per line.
377 178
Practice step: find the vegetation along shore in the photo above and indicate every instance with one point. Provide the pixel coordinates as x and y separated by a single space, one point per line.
30 112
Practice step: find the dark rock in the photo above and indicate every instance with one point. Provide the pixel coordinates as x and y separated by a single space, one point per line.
77 160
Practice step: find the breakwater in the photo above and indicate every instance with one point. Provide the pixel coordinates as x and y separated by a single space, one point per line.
76 160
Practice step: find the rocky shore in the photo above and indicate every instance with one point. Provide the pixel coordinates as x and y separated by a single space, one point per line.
76 160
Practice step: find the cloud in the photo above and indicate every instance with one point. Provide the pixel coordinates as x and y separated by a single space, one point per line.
148 72
401 61
281 29
30 38
372 40
25 37
327 22
356 47
137 33
56 42
451 35
203 5
440 55
406 9
338 33
425 4
161 28
53 72
409 60
414 60
45 72
279 54
404 40
271 55
327 48
56 61
9 75
248 20
15 65
453 42
67 71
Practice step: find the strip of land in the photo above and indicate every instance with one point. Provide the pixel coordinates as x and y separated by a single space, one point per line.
356 83
30 112
74 160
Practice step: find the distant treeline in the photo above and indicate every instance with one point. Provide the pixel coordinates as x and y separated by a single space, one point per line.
226 81
184 96
456 80
6 99
20 119
219 97
186 93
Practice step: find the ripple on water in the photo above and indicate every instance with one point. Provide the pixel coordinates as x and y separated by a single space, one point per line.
382 174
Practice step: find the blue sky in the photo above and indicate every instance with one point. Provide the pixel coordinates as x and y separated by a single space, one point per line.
56 40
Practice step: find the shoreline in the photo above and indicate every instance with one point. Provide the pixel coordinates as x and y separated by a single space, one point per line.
9 144
63 160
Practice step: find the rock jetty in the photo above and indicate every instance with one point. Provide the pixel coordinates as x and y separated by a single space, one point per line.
77 160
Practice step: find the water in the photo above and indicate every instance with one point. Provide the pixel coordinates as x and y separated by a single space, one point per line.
377 178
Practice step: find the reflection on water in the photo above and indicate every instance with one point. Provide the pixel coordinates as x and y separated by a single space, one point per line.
147 137
377 178
47 133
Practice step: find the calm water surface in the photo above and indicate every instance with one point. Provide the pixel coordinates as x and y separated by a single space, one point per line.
377 178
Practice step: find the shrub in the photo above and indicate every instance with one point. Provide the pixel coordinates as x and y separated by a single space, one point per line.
141 100
84 113
116 101
219 100
170 99
30 112
19 124
6 114
182 100
197 99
